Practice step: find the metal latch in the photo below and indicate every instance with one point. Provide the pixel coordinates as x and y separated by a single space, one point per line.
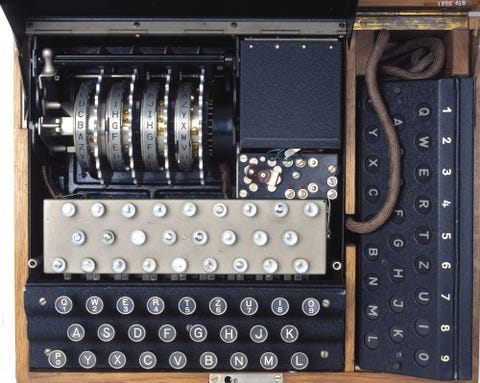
245 378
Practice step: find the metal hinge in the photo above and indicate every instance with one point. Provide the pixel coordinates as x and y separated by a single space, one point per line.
245 378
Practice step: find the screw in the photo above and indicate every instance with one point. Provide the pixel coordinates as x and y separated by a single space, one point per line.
312 162
296 175
312 187
179 265
119 265
108 237
332 194
233 24
324 354
332 181
59 265
290 238
300 163
300 265
220 210
97 209
243 157
326 303
332 169
128 210
310 209
68 209
280 209
240 265
260 238
290 193
42 301
249 209
47 351
228 237
270 265
189 209
209 265
302 193
149 265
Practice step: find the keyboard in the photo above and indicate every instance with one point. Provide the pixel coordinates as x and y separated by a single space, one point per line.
415 285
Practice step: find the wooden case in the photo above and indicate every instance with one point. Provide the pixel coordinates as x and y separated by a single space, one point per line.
454 20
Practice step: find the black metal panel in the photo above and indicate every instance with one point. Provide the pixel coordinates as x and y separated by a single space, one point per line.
291 94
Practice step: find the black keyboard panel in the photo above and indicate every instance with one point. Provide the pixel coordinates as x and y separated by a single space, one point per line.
415 274
75 326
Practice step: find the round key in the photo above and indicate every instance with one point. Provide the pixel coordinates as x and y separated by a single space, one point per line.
311 209
75 332
129 210
189 209
87 265
280 209
422 327
87 360
280 306
155 305
94 305
177 360
240 265
248 306
209 265
300 265
169 237
198 333
258 333
117 360
138 237
68 209
136 333
57 359
159 210
238 361
220 210
270 265
59 265
268 360
147 360
179 264
149 265
311 306
106 332
260 238
125 305
299 361
167 333
371 340
289 333
63 304
217 306
187 305
119 265
228 237
422 357
200 237
228 334
290 238
97 209
78 238
249 209
208 360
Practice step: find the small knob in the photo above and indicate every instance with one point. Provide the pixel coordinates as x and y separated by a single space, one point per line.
48 68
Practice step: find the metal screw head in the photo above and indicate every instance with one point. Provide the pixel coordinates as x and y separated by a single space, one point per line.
289 193
179 264
189 209
228 237
220 210
253 187
280 209
159 210
169 237
332 194
270 265
332 169
240 265
290 238
88 265
324 354
42 301
200 237
243 158
311 209
97 209
302 193
128 210
59 265
312 187
68 209
326 303
138 237
209 265
332 181
243 193
119 265
260 238
78 238
312 162
108 237
277 46
249 209
300 162
149 265
300 265
296 175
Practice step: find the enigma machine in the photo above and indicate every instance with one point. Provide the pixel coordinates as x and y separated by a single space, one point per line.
222 192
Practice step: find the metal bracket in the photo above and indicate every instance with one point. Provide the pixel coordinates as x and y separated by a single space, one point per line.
245 378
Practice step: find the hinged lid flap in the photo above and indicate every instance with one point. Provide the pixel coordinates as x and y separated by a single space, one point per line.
19 11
